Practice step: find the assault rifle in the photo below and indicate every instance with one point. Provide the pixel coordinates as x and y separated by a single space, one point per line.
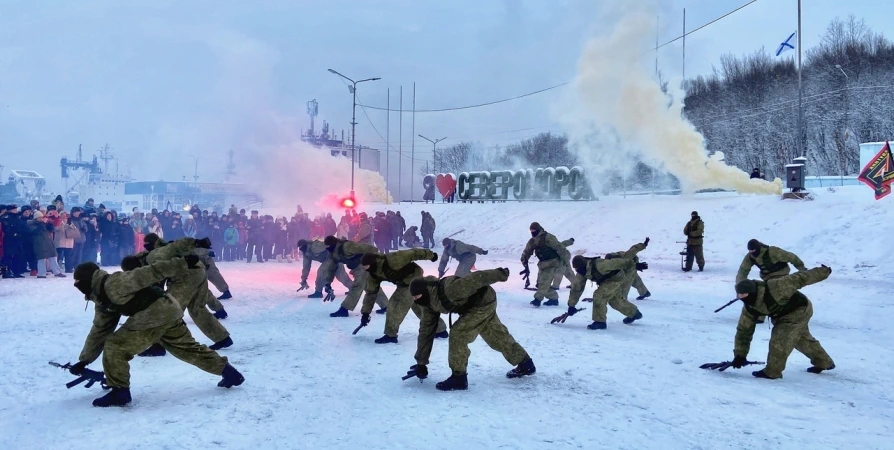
330 294
414 372
526 275
721 366
563 317
724 306
90 376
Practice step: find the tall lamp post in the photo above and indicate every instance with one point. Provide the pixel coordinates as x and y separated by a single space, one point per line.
847 107
353 89
434 149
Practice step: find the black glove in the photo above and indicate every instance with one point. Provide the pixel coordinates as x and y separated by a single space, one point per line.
192 261
505 270
303 286
827 267
203 243
484 252
364 320
571 240
739 362
421 371
641 266
572 310
211 254
434 257
646 242
77 368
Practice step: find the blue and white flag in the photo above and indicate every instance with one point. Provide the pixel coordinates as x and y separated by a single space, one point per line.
786 45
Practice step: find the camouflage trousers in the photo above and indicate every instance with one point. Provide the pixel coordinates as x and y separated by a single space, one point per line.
340 274
546 272
216 279
400 303
611 293
192 293
568 273
791 332
632 279
464 265
481 320
638 284
213 302
695 252
124 343
356 290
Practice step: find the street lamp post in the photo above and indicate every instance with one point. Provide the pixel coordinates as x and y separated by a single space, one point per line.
847 107
434 149
353 89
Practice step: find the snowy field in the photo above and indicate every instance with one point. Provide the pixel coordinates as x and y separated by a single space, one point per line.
312 385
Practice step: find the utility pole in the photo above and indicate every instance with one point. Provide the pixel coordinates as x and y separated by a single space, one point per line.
800 142
413 144
684 48
847 107
387 138
434 150
400 147
353 89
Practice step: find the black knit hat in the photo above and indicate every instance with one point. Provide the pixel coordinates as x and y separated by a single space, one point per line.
754 244
694 213
85 271
330 241
302 244
368 259
746 287
446 241
579 263
418 286
535 226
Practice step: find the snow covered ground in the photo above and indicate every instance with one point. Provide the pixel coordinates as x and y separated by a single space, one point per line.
311 384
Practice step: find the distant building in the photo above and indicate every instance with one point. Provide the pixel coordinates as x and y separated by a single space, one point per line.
181 195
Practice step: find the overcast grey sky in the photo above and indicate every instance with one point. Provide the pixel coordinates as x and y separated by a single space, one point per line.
163 80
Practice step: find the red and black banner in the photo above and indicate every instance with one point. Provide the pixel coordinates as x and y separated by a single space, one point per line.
879 173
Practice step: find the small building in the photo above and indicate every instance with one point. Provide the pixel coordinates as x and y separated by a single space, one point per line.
181 195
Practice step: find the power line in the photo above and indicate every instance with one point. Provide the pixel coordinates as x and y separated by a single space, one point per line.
457 108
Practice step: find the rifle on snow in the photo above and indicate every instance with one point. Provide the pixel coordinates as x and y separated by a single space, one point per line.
412 373
358 328
90 376
565 316
721 366
526 275
724 306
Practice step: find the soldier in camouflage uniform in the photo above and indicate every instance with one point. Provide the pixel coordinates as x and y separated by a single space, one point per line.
428 230
152 316
463 253
569 271
695 237
790 311
632 278
553 258
398 268
217 280
316 251
343 251
612 278
476 303
190 288
772 261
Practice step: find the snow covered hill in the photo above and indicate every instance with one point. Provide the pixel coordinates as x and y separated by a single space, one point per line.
312 385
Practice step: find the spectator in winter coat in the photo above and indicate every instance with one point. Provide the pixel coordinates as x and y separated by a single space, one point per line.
364 231
401 223
190 228
329 226
243 239
109 239
343 229
176 231
254 240
394 226
756 173
91 239
231 242
280 240
63 238
127 244
44 249
75 257
157 228
411 240
216 234
428 230
382 233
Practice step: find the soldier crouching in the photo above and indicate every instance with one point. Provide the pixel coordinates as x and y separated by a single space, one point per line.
152 316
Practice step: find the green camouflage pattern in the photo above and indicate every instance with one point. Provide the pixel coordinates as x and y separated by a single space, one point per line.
604 266
481 319
399 304
464 254
211 270
776 255
695 232
344 251
358 284
397 261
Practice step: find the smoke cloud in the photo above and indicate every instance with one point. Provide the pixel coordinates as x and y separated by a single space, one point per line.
621 115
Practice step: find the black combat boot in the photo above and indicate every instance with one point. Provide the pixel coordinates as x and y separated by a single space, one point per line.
153 350
536 303
226 295
222 344
554 302
761 374
316 295
116 397
525 368
817 370
456 382
340 313
644 296
386 340
637 316
442 335
231 377
221 315
597 326
382 310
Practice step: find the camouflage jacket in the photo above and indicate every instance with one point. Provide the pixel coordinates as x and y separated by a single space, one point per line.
188 285
457 250
120 288
775 298
453 295
316 251
211 270
601 271
347 253
396 267
364 233
546 247
695 231
772 261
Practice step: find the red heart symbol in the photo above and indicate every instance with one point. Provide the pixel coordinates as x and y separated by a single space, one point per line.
445 183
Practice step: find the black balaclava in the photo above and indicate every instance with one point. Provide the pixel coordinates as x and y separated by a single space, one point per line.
83 275
302 244
446 242
369 259
747 287
754 246
151 241
579 263
419 286
330 242
535 229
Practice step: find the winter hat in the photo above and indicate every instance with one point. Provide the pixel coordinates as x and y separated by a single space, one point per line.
302 245
419 286
746 287
101 206
25 208
151 241
579 263
446 242
51 207
535 226
368 259
76 209
754 244
37 214
694 213
330 241
85 271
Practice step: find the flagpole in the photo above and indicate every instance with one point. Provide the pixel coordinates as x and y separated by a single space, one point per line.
801 148
684 47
